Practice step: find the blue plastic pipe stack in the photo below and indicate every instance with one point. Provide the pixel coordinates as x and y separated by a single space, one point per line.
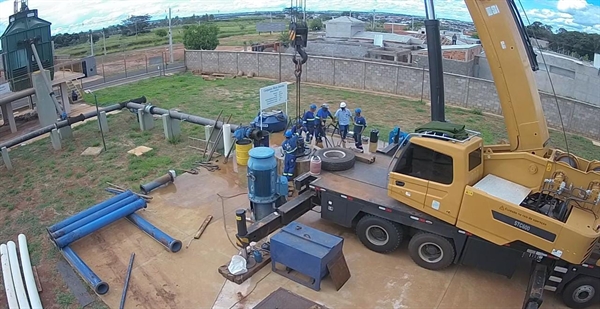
121 206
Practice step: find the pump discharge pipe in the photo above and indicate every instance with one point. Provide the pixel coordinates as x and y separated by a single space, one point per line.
9 286
32 291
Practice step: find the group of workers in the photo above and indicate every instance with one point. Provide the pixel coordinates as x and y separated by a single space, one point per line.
313 123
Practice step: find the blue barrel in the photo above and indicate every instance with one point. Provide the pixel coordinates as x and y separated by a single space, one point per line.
273 121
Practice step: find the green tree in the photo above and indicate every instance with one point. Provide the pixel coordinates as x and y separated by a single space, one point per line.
161 33
316 24
203 36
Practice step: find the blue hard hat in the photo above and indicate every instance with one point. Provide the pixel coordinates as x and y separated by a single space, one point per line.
358 110
313 106
288 133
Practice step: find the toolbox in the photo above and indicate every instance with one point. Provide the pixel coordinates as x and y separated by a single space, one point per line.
305 250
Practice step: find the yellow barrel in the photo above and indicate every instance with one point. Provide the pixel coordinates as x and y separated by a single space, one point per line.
242 147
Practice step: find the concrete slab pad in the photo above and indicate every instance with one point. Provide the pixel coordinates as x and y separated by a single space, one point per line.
189 278
140 150
92 151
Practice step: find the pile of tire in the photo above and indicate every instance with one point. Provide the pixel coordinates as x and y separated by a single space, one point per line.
336 158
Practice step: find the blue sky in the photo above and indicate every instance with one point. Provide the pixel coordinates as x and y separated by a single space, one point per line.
71 16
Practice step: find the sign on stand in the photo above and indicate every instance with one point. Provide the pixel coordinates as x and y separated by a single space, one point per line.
273 95
4 89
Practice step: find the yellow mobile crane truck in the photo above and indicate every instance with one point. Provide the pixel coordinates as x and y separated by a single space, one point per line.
462 202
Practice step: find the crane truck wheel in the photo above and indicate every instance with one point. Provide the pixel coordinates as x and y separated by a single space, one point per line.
336 158
582 292
431 251
378 234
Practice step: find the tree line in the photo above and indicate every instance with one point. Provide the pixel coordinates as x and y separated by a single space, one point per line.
574 43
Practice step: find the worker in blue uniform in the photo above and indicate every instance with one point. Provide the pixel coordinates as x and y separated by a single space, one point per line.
289 149
360 123
308 122
343 117
320 121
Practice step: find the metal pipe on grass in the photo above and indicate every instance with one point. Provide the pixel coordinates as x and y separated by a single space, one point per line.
84 271
95 216
97 224
89 211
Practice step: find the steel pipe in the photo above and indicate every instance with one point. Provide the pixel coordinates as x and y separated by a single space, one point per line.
16 96
32 291
160 181
99 286
99 223
148 108
9 286
16 275
172 244
67 122
94 216
89 211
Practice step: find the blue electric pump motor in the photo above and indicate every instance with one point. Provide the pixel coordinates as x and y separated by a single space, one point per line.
266 189
273 121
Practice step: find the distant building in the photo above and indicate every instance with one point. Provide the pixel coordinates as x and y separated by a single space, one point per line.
395 27
343 27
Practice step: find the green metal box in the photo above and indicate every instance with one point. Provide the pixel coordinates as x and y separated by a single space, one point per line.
18 59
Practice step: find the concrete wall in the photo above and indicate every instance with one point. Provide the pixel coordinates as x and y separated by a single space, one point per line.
571 79
579 117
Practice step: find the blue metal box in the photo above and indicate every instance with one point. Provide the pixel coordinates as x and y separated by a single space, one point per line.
305 250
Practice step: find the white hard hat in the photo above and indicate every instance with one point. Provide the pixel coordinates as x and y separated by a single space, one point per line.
343 104
325 105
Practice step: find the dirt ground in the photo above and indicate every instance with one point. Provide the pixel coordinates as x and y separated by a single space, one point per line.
189 278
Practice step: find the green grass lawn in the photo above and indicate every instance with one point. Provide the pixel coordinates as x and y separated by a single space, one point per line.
118 43
49 185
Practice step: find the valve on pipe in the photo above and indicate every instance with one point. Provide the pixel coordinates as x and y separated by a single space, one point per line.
158 182
249 132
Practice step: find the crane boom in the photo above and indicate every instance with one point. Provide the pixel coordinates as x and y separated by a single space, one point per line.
512 63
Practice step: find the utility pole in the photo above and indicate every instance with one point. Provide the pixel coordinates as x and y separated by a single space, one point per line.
91 42
170 38
104 41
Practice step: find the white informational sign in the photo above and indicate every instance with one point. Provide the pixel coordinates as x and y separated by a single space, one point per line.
4 89
273 95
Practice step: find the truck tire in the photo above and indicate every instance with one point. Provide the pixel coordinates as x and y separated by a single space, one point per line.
431 251
582 292
336 158
378 234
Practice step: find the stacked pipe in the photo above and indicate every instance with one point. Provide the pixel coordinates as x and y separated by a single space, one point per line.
19 294
123 205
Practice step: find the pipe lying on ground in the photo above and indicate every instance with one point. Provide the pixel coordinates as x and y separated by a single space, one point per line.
16 275
158 182
9 287
67 122
149 108
172 244
99 223
94 216
32 291
84 271
88 211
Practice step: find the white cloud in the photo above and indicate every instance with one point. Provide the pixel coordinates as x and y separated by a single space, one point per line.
565 5
78 15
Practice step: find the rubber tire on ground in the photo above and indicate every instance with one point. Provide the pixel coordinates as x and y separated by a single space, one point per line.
393 230
567 293
447 249
343 159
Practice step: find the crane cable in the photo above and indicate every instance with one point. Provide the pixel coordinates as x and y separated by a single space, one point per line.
298 39
551 83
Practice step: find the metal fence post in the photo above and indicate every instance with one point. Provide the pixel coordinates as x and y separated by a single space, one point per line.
146 60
